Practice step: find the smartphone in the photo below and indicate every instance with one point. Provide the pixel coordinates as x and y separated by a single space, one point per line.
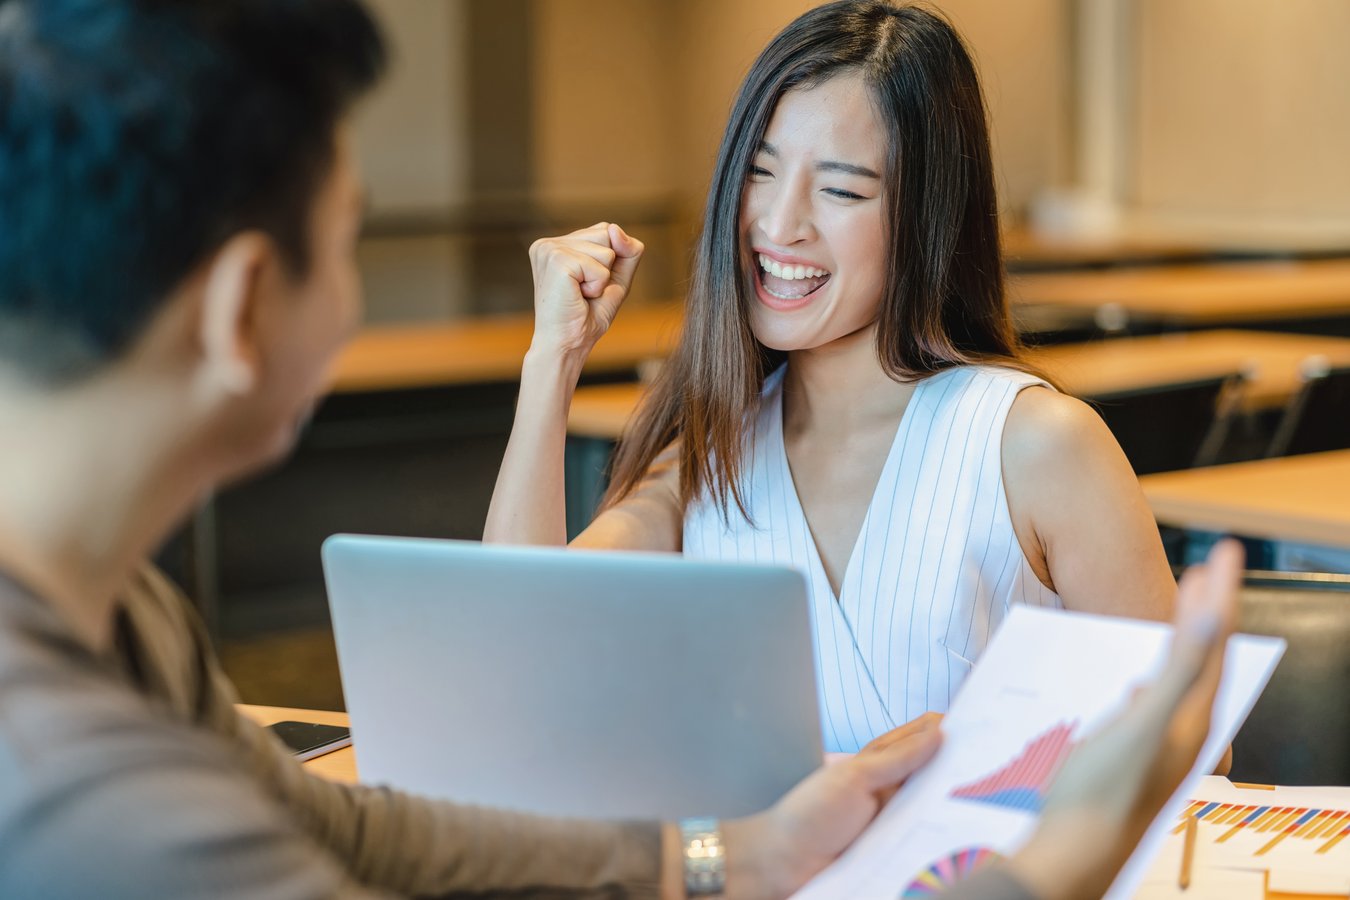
308 740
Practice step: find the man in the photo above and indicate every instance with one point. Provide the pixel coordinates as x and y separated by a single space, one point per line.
178 215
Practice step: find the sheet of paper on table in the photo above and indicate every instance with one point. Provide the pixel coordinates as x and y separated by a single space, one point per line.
1047 680
1300 835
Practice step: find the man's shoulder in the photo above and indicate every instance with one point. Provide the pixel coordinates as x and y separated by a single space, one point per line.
69 713
102 793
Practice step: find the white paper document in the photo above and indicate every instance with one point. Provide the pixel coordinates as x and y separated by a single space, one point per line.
1300 835
1047 680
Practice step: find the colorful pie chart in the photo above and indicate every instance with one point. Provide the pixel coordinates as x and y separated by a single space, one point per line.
947 871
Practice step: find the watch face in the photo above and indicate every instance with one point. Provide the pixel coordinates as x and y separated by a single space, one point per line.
705 863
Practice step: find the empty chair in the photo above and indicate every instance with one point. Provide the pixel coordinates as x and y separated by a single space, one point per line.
1318 416
1299 730
1172 426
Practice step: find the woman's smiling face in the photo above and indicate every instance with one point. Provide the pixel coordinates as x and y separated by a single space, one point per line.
812 232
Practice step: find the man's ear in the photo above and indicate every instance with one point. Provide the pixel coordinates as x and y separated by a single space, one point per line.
230 296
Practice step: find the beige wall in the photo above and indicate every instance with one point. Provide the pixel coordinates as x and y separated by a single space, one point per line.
633 96
1240 117
409 138
605 133
1240 114
603 91
409 133
1020 48
1243 110
630 99
719 39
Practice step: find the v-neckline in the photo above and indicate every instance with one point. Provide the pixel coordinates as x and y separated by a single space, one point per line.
817 563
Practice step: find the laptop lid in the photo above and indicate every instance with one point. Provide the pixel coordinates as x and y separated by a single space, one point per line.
573 682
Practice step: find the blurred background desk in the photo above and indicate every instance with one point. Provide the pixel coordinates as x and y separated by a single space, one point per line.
1297 498
1272 363
1311 295
489 350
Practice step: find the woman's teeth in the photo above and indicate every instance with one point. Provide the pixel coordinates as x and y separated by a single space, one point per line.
789 273
790 282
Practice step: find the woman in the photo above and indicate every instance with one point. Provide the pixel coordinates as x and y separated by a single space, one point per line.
847 397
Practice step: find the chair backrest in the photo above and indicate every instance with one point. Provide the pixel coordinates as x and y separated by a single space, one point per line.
1318 416
1299 730
1172 426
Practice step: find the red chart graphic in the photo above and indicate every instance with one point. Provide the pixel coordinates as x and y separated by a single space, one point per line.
1022 783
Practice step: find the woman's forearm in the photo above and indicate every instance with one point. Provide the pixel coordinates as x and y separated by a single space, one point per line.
529 501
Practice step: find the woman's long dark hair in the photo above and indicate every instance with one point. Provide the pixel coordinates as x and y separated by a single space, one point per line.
943 303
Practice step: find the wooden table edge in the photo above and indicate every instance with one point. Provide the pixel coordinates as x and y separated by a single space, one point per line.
266 715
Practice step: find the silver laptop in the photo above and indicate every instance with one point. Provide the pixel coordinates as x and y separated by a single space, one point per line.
570 682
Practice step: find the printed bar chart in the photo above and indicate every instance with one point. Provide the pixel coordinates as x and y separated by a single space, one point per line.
1022 784
1325 827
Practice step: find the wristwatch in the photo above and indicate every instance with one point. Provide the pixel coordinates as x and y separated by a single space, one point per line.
705 859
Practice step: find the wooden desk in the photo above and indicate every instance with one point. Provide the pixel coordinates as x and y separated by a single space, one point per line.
1273 361
492 349
1198 295
489 349
1299 498
340 765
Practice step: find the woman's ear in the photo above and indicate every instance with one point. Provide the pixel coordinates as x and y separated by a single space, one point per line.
231 293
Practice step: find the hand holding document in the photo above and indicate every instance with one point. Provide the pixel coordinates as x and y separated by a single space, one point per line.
1049 682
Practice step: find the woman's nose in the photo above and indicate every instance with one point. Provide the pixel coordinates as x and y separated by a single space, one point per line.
786 217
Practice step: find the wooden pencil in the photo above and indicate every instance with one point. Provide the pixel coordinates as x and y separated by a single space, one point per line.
1187 854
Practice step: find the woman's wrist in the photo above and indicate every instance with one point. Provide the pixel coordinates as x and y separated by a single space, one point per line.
551 369
546 357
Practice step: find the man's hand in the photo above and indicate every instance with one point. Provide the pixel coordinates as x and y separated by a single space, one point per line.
1112 787
776 852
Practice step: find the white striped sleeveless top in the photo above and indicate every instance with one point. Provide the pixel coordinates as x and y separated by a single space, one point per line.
936 565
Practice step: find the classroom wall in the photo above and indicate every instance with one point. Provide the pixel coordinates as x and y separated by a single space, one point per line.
1243 111
720 40
410 133
1020 48
606 136
1238 120
603 89
409 137
1023 53
631 99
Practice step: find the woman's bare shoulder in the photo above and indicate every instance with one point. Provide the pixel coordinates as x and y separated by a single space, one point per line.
1047 430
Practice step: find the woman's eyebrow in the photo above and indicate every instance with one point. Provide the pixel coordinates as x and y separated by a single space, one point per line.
846 168
828 165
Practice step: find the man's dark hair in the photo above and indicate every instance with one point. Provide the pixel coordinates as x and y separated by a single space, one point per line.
137 136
